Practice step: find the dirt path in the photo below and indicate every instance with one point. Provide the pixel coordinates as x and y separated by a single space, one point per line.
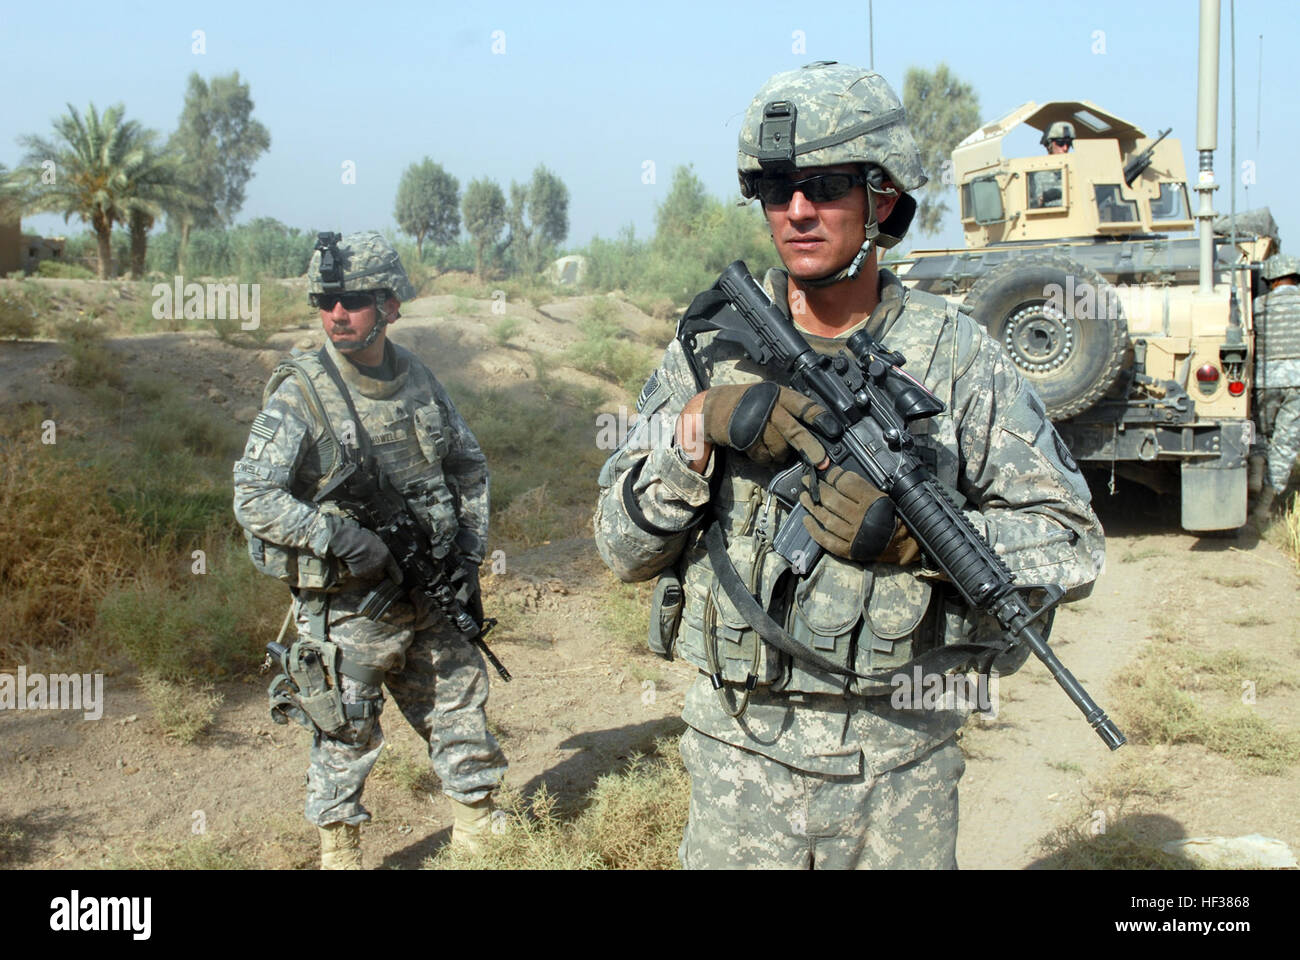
1032 768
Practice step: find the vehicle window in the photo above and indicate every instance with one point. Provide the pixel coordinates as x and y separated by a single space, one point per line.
1171 204
981 200
1045 189
1111 205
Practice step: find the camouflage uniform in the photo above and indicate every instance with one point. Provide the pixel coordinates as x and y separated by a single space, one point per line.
1277 370
435 675
846 762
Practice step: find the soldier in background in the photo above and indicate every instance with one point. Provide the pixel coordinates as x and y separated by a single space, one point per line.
1058 138
792 765
298 442
1277 375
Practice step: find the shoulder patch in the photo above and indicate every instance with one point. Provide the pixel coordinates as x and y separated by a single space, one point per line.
261 433
1063 452
653 395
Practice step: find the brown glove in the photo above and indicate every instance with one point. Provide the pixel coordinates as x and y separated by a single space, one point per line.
762 421
855 520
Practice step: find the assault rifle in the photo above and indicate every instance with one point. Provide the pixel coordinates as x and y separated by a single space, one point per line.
872 401
362 489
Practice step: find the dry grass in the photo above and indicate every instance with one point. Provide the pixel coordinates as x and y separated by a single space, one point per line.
184 710
1158 703
625 613
63 547
531 520
197 853
633 821
1284 531
1105 830
405 772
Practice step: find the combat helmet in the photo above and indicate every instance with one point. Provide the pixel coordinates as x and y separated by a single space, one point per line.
829 113
1060 130
360 262
1281 265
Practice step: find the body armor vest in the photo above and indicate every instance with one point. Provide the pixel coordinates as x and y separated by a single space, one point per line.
869 618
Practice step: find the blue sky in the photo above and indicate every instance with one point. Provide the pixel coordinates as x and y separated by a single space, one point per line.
596 92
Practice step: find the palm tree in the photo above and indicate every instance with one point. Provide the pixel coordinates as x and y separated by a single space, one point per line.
89 177
155 184
12 195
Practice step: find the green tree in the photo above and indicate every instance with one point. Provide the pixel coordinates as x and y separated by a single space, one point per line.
13 195
83 172
156 184
684 207
218 141
428 204
538 218
941 111
484 207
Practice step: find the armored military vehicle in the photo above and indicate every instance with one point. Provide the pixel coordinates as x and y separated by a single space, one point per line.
1084 265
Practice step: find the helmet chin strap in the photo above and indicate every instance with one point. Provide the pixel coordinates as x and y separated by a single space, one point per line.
872 231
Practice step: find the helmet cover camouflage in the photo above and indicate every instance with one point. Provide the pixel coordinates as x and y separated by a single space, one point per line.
844 114
1060 130
1281 265
368 262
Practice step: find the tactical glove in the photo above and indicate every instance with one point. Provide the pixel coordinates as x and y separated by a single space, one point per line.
855 520
762 420
469 592
366 555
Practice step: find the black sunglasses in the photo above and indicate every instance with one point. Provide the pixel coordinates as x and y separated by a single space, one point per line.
351 301
819 189
1061 141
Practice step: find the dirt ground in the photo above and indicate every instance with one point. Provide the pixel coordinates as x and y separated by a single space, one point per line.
83 793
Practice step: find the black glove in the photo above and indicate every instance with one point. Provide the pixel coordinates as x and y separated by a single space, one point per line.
468 590
366 555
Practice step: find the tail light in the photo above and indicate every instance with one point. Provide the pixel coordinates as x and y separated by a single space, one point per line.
1207 378
1236 388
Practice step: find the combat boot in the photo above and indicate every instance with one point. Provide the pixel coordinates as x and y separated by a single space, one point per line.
340 847
473 822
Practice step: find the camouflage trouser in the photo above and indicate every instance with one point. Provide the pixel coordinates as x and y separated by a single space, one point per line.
750 811
439 682
1280 420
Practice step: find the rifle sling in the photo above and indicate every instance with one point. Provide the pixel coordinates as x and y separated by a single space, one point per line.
363 438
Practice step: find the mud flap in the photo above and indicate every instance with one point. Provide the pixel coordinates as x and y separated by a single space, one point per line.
1213 498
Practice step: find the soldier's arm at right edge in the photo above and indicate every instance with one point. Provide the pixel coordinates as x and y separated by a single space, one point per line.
281 435
650 497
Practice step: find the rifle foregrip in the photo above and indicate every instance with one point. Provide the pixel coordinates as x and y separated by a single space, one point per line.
949 538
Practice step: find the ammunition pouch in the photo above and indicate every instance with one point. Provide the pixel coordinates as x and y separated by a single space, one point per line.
666 614
297 568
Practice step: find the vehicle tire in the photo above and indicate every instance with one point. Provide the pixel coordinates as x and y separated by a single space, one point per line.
1062 324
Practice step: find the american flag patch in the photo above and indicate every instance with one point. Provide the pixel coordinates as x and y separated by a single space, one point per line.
264 426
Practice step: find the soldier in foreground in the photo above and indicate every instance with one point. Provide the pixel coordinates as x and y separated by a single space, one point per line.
1277 374
792 765
363 394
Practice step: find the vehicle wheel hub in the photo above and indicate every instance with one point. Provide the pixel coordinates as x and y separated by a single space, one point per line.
1039 338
